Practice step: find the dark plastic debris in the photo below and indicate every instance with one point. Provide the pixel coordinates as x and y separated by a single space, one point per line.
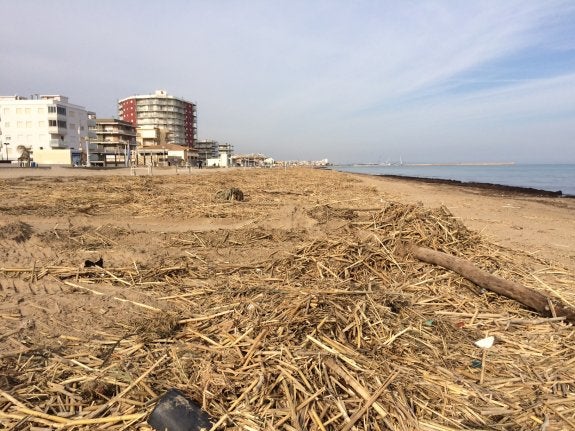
99 262
476 363
175 412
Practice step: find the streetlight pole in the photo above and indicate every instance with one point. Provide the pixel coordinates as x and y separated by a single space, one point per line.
87 143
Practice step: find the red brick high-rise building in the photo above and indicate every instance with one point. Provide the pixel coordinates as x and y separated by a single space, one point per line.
162 111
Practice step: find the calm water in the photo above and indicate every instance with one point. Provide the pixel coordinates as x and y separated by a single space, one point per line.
543 177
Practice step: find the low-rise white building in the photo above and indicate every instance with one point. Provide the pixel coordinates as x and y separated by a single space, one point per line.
223 159
48 128
213 154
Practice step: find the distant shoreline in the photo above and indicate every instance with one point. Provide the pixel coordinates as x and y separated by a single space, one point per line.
478 185
462 164
436 164
541 180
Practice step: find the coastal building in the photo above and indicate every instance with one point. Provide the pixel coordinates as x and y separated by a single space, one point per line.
160 119
207 149
312 163
213 154
162 155
224 159
44 129
115 143
253 160
154 148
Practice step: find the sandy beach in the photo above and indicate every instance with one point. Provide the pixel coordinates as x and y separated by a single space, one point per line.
288 309
543 226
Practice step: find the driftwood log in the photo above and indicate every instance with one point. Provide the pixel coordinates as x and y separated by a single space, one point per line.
530 298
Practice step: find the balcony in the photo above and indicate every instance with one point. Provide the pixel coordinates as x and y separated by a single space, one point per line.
55 130
116 132
56 116
58 143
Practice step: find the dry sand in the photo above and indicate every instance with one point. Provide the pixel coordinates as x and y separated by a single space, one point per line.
260 301
544 226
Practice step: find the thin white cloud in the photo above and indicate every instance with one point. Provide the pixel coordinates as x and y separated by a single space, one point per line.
305 79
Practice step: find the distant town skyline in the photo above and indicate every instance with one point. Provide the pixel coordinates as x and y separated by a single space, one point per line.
362 81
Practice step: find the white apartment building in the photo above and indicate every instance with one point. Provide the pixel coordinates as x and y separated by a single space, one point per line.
47 127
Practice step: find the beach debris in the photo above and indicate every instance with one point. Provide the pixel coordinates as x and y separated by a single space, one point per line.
550 307
18 231
231 194
274 327
485 343
324 213
175 412
476 363
99 262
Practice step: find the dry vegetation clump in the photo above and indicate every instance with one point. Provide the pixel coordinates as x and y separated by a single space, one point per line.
291 319
231 194
18 231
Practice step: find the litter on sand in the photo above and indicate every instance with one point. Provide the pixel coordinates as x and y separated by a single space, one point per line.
310 322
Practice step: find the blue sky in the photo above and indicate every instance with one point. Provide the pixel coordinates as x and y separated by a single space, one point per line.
351 81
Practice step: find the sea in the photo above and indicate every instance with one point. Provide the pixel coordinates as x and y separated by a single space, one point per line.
548 177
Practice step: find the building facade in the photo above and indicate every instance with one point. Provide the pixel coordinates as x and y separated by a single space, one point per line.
206 149
115 143
213 154
43 129
160 119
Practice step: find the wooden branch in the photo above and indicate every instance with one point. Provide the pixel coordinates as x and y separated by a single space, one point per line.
526 296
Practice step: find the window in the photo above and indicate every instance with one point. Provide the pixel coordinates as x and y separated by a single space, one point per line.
7 124
40 110
6 111
72 114
61 110
52 123
18 110
61 124
41 123
20 124
28 111
28 124
51 109
71 125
